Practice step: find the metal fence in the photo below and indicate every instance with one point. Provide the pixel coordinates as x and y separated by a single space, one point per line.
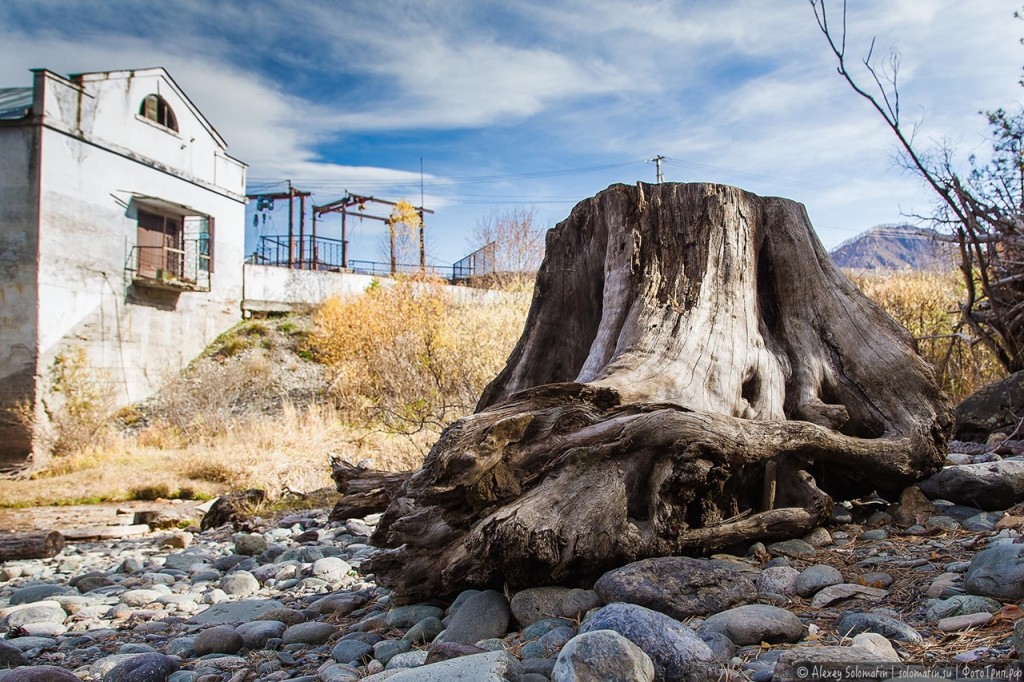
323 253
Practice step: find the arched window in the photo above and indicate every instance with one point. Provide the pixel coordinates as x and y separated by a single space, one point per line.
156 108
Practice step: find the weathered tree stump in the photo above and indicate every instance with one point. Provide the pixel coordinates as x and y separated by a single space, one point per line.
694 373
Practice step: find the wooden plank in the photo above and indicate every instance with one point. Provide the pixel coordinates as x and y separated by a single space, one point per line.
105 532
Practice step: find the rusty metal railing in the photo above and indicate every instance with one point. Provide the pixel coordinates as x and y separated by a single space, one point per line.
165 267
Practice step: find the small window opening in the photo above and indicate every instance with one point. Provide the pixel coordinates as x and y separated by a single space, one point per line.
156 108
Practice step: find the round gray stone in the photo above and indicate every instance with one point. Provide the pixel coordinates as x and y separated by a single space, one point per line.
961 605
389 648
408 659
602 656
257 633
537 603
250 545
675 650
151 667
814 578
794 549
11 656
36 612
140 598
34 593
577 602
239 584
997 572
424 631
875 534
542 627
406 616
332 569
220 639
777 580
755 623
851 624
309 633
482 616
351 651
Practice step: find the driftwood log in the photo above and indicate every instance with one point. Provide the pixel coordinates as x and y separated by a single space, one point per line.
694 373
35 545
363 490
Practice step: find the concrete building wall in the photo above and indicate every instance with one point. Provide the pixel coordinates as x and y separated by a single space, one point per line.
276 289
135 337
18 318
73 177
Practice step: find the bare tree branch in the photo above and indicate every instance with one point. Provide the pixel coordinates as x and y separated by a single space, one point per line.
985 209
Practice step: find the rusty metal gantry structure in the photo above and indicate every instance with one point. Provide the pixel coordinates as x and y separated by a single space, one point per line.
344 206
291 195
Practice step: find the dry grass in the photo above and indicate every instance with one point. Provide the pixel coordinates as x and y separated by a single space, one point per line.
927 304
285 451
253 412
399 363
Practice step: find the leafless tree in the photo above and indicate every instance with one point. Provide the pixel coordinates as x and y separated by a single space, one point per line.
512 245
982 209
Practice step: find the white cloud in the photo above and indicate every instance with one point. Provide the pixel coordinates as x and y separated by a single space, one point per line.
273 131
740 84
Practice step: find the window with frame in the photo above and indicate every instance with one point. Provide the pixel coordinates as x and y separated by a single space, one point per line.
160 242
156 109
174 246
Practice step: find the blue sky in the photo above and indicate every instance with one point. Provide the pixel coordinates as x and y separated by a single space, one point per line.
543 103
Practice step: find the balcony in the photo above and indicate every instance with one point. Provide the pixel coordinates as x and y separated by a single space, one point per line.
170 268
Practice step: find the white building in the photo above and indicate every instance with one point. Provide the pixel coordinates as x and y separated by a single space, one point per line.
121 233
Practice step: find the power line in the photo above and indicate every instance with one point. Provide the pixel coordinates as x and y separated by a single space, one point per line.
445 181
743 174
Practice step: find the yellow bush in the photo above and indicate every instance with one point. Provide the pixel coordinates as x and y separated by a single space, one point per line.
409 356
927 304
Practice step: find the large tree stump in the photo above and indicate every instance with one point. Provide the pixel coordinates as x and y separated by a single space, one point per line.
694 373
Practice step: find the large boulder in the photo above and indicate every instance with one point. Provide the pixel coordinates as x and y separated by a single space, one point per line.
679 587
995 408
990 485
997 572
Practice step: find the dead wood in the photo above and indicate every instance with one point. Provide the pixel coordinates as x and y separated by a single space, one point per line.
363 491
694 374
36 545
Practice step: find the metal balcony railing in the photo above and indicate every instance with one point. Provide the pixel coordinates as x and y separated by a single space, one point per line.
165 267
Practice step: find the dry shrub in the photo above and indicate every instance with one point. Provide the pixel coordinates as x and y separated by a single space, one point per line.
209 399
79 404
928 305
414 355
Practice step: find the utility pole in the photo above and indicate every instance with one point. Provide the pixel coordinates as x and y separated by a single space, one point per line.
657 162
291 225
423 239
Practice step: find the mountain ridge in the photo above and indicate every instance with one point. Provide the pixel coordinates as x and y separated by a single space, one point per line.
895 247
